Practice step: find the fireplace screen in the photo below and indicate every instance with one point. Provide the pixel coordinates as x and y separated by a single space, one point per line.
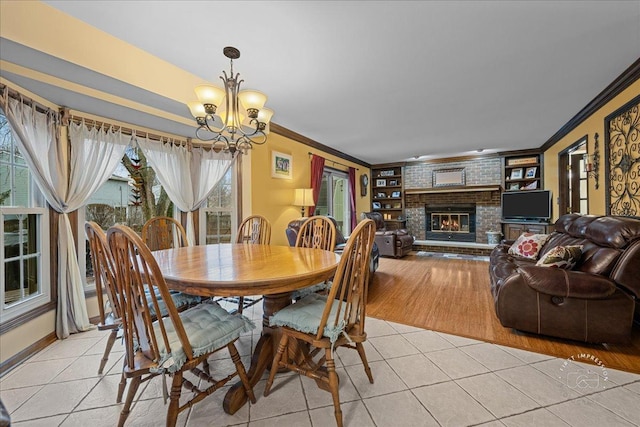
449 222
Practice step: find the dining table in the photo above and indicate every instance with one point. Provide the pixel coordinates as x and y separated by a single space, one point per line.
234 270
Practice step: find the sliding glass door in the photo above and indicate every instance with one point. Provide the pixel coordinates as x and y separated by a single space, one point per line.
334 198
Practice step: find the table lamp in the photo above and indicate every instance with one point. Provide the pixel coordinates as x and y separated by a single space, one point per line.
303 197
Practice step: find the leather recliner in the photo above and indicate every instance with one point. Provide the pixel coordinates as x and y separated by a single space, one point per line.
392 243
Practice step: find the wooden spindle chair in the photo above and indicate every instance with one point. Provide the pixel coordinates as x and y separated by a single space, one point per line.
105 280
256 230
169 345
317 232
327 322
163 232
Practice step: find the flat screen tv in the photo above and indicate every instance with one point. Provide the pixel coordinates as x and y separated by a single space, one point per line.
526 205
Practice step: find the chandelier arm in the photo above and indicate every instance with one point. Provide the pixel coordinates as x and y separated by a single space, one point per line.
204 138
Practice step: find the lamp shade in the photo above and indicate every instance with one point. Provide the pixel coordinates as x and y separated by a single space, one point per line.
252 99
196 108
209 94
303 197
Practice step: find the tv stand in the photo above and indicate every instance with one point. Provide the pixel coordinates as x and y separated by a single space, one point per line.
513 229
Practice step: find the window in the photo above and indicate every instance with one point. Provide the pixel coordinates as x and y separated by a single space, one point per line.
217 222
132 196
334 198
24 237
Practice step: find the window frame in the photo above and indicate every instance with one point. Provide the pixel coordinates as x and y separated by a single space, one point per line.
44 272
328 175
202 212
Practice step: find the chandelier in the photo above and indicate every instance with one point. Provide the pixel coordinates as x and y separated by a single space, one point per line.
233 119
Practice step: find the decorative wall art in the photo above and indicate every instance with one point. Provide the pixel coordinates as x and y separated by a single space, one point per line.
622 139
281 165
448 177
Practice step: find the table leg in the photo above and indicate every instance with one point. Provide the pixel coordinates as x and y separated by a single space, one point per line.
262 357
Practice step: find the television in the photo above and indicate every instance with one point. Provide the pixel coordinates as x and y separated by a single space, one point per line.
532 205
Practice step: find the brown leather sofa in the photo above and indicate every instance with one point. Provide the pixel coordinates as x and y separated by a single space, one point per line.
593 302
393 243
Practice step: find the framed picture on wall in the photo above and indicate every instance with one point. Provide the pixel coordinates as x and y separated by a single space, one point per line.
281 165
448 177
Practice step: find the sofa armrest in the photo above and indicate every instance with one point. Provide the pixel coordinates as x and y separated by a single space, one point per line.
567 283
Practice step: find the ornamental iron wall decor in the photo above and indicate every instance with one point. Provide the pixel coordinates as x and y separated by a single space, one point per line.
622 139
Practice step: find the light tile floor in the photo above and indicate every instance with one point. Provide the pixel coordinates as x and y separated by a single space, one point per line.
422 378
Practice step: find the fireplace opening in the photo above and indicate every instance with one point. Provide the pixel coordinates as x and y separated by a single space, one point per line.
451 222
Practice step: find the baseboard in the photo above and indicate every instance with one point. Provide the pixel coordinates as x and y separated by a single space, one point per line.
23 355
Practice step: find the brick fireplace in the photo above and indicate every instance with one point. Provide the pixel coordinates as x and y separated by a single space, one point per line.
451 222
482 188
483 200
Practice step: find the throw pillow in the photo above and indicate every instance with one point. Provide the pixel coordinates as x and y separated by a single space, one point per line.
565 257
528 245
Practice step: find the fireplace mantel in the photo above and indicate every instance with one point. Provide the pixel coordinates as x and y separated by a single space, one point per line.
464 189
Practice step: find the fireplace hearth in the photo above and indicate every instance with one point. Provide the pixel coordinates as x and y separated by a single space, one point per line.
455 222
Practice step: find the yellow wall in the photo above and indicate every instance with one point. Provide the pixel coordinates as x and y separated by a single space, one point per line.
592 125
273 197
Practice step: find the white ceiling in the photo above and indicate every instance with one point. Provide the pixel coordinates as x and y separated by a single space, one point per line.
382 81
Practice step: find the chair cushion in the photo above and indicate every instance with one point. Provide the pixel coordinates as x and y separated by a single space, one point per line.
301 293
208 327
179 300
305 316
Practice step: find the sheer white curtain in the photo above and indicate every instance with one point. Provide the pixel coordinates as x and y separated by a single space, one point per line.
187 174
67 178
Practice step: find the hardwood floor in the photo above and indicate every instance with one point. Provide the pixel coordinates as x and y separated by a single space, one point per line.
453 296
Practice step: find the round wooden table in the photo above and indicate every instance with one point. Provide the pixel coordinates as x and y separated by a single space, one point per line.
244 270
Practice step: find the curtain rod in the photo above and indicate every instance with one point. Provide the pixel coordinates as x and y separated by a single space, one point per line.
334 162
12 93
125 130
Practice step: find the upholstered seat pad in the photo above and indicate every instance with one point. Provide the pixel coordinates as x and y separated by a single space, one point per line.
208 327
179 300
305 315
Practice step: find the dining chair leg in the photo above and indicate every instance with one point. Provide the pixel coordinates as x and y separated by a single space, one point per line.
123 383
107 350
205 367
240 304
242 373
276 360
126 409
174 401
363 357
334 383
